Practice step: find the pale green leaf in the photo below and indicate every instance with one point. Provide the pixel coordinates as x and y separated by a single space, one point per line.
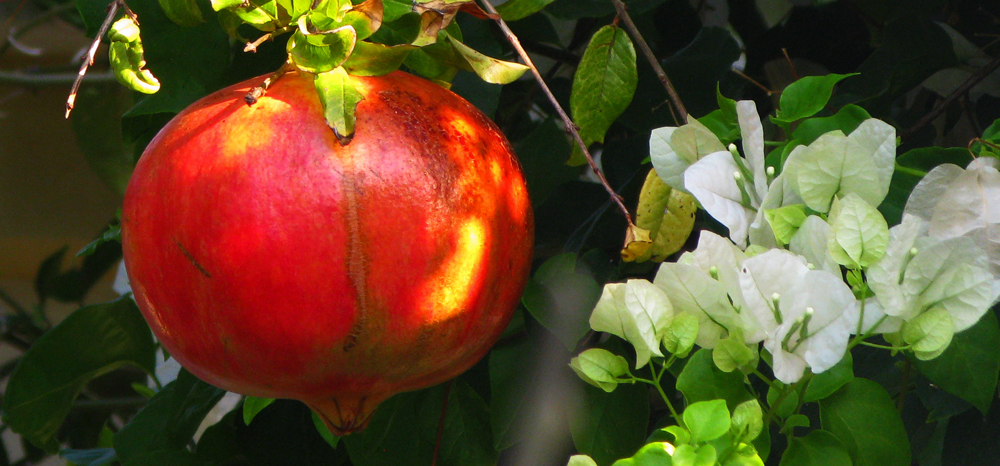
858 232
600 368
680 336
581 460
833 165
929 334
488 68
747 421
785 221
707 420
253 405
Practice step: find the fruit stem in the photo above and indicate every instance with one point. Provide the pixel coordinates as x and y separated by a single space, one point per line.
258 92
570 126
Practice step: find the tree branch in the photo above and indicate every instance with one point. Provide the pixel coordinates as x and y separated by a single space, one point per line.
675 99
570 126
976 78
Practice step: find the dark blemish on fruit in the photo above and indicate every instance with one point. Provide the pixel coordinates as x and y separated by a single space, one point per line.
191 258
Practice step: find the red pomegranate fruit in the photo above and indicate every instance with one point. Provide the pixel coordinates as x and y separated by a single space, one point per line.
273 261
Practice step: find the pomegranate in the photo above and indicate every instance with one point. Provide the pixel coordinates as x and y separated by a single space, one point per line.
273 261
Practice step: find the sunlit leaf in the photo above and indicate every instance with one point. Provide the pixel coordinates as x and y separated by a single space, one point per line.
600 368
489 69
253 405
603 85
340 100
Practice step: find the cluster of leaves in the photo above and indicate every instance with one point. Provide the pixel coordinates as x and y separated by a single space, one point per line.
332 40
523 404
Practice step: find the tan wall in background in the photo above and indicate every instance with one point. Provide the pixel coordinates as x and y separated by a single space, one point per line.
49 196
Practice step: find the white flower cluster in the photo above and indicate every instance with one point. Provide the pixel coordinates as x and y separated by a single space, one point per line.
780 277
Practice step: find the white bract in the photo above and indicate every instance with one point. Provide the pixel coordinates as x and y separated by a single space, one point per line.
962 202
804 312
636 311
919 272
729 187
836 164
705 283
673 149
858 232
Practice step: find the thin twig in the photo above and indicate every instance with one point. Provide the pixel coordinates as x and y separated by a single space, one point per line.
753 81
92 52
976 78
258 91
791 66
15 32
648 53
570 126
252 46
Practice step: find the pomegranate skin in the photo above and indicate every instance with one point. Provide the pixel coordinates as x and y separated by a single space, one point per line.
272 261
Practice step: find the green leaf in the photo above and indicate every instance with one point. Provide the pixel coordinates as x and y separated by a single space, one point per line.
700 380
253 405
340 99
846 120
600 368
793 421
581 460
970 366
489 69
603 85
183 12
929 334
223 4
404 430
689 455
561 298
785 221
169 420
92 341
818 448
863 417
824 384
319 53
509 401
513 10
608 426
370 59
858 232
324 431
91 457
788 405
112 235
731 353
680 336
542 154
747 421
706 420
805 97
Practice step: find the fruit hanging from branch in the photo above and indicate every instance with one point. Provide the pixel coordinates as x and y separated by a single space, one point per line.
273 261
339 231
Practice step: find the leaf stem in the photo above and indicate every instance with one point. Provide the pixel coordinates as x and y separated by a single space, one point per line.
876 345
675 99
663 394
570 126
252 46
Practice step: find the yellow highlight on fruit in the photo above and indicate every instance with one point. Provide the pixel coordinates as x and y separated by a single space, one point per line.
448 294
